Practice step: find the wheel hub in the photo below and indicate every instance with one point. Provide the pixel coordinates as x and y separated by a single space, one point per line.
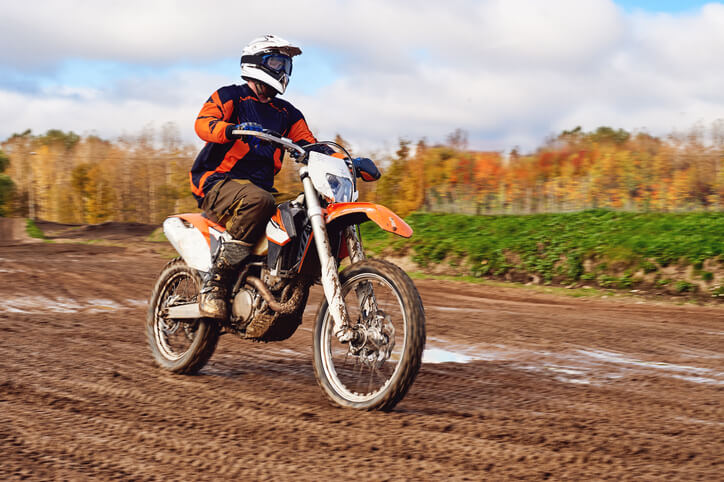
374 341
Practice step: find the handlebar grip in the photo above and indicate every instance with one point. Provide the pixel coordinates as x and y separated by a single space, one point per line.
270 136
273 133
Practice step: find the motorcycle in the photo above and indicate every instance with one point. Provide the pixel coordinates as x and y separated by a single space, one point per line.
369 331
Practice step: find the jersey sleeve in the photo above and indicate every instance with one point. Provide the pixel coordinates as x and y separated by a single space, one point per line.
213 119
298 129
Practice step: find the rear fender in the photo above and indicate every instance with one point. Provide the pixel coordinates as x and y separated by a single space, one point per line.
196 238
340 215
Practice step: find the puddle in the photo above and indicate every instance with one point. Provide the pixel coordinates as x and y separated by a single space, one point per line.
37 304
104 304
565 374
578 381
700 421
456 310
290 352
42 304
10 309
708 381
438 355
581 367
565 370
612 357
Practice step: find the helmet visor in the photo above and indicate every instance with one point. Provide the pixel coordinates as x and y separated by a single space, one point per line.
277 63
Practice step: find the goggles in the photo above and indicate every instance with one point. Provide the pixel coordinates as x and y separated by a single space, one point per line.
274 63
277 63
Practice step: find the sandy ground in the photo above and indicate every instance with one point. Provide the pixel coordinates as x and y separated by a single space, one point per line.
515 385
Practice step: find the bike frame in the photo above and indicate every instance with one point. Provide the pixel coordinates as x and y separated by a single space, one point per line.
345 216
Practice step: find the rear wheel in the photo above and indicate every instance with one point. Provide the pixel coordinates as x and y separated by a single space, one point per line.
375 371
180 346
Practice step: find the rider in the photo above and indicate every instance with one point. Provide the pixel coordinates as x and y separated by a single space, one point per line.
232 178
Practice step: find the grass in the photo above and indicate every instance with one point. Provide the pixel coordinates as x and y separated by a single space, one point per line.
608 248
33 230
157 236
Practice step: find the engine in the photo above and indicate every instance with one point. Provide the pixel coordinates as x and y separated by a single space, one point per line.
242 306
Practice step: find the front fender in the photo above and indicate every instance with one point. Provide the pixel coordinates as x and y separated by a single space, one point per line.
355 213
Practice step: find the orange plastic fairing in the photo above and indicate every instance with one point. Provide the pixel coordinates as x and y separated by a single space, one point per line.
201 223
384 217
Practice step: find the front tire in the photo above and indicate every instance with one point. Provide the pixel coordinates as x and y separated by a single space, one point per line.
373 373
179 346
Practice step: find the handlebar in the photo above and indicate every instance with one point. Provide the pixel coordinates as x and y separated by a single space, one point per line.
298 152
267 136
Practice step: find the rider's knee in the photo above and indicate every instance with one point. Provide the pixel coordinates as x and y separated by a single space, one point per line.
263 203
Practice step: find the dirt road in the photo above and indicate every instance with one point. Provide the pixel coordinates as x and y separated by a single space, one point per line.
514 385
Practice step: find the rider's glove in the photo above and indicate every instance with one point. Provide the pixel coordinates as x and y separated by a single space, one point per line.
315 148
322 149
245 126
366 169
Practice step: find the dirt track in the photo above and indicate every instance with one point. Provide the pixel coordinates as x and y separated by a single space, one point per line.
553 387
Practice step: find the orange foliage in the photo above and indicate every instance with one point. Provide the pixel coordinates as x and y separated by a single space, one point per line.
577 170
64 177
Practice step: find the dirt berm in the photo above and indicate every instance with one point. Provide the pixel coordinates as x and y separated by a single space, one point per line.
13 230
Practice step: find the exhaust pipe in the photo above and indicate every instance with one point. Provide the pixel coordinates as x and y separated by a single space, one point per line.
190 311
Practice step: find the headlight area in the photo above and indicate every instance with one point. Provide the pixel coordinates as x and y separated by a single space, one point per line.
342 188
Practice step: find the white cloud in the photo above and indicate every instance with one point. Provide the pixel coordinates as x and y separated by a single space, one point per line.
125 108
510 72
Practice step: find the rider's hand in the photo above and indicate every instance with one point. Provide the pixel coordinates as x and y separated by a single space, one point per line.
365 168
245 126
314 148
320 148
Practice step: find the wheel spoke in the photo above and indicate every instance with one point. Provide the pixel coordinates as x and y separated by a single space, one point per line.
373 302
175 338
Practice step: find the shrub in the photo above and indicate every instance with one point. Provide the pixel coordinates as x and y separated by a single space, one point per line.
558 246
684 287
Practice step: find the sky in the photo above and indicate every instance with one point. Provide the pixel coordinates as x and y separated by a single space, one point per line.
509 72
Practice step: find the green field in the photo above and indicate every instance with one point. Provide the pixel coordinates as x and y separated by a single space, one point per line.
674 252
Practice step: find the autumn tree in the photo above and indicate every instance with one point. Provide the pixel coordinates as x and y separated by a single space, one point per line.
6 184
63 177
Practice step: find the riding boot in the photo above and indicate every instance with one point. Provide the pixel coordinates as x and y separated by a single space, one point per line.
212 297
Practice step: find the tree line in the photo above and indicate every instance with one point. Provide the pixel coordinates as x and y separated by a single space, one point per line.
63 177
572 171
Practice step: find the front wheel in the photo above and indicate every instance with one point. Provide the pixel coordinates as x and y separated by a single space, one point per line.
375 371
180 346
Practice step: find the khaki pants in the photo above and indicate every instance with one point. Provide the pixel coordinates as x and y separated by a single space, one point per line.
242 207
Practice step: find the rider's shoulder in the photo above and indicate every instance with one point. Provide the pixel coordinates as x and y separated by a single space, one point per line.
285 105
232 91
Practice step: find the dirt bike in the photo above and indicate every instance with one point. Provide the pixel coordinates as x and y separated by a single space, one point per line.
369 332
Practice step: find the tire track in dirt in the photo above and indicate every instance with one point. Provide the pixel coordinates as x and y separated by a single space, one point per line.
80 397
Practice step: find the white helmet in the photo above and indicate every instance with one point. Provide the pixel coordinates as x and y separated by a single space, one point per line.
268 59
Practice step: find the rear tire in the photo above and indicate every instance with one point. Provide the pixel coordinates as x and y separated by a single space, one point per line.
351 380
182 346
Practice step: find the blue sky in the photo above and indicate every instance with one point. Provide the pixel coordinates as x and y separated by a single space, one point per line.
510 72
669 6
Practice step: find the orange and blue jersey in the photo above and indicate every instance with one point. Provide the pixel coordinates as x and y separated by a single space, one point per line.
222 157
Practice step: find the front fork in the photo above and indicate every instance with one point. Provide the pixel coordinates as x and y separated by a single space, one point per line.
330 278
379 333
354 245
365 294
